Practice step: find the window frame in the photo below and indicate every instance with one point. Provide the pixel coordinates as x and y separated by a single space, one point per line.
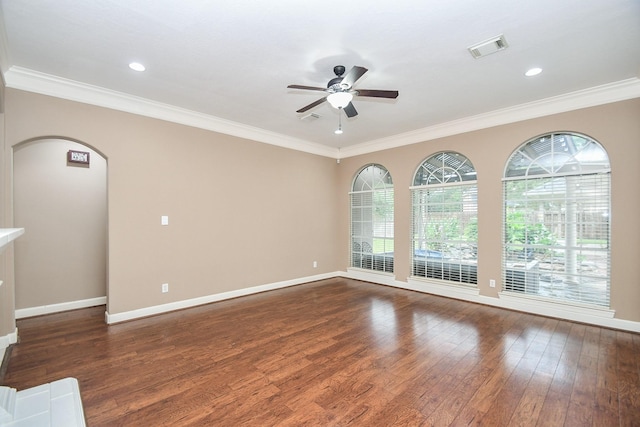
371 225
551 231
446 256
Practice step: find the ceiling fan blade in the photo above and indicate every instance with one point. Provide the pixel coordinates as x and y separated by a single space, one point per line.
313 104
377 93
307 87
350 110
352 77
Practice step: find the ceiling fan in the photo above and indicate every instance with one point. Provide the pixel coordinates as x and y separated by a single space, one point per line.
340 91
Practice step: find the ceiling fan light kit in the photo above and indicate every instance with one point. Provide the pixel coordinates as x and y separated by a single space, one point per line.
340 92
339 99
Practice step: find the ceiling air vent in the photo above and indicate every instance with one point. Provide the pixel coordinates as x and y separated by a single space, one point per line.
310 116
487 47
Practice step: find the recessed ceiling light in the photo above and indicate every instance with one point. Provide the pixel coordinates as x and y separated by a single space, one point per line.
137 66
533 72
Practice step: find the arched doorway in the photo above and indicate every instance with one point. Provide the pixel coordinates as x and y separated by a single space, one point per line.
60 199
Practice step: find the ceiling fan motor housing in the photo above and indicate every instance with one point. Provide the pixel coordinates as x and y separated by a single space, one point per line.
334 83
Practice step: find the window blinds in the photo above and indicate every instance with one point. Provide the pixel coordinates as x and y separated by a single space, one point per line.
556 234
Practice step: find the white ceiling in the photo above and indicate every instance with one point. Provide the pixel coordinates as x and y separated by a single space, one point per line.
225 65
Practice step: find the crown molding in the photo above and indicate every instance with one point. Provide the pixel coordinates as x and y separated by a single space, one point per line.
599 95
46 84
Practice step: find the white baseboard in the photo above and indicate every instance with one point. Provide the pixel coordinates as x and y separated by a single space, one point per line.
510 301
467 293
178 305
55 308
506 300
370 276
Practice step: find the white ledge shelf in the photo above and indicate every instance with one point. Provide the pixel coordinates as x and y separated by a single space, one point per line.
8 235
55 404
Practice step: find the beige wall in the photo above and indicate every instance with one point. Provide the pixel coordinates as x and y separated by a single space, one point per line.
63 257
615 126
245 214
241 213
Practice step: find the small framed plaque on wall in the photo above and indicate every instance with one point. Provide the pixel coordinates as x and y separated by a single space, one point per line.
78 158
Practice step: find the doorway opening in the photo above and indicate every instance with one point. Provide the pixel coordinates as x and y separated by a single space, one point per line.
60 199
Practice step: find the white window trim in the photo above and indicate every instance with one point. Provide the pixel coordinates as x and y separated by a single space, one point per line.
548 305
434 186
387 190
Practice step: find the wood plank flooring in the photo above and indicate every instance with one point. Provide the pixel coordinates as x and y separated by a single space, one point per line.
336 352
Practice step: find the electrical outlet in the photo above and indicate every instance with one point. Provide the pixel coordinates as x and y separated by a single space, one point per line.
492 283
165 288
315 264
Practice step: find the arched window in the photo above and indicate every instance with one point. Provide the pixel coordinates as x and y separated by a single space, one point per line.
556 219
445 219
372 219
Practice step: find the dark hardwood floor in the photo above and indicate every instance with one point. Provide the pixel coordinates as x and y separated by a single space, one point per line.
334 353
